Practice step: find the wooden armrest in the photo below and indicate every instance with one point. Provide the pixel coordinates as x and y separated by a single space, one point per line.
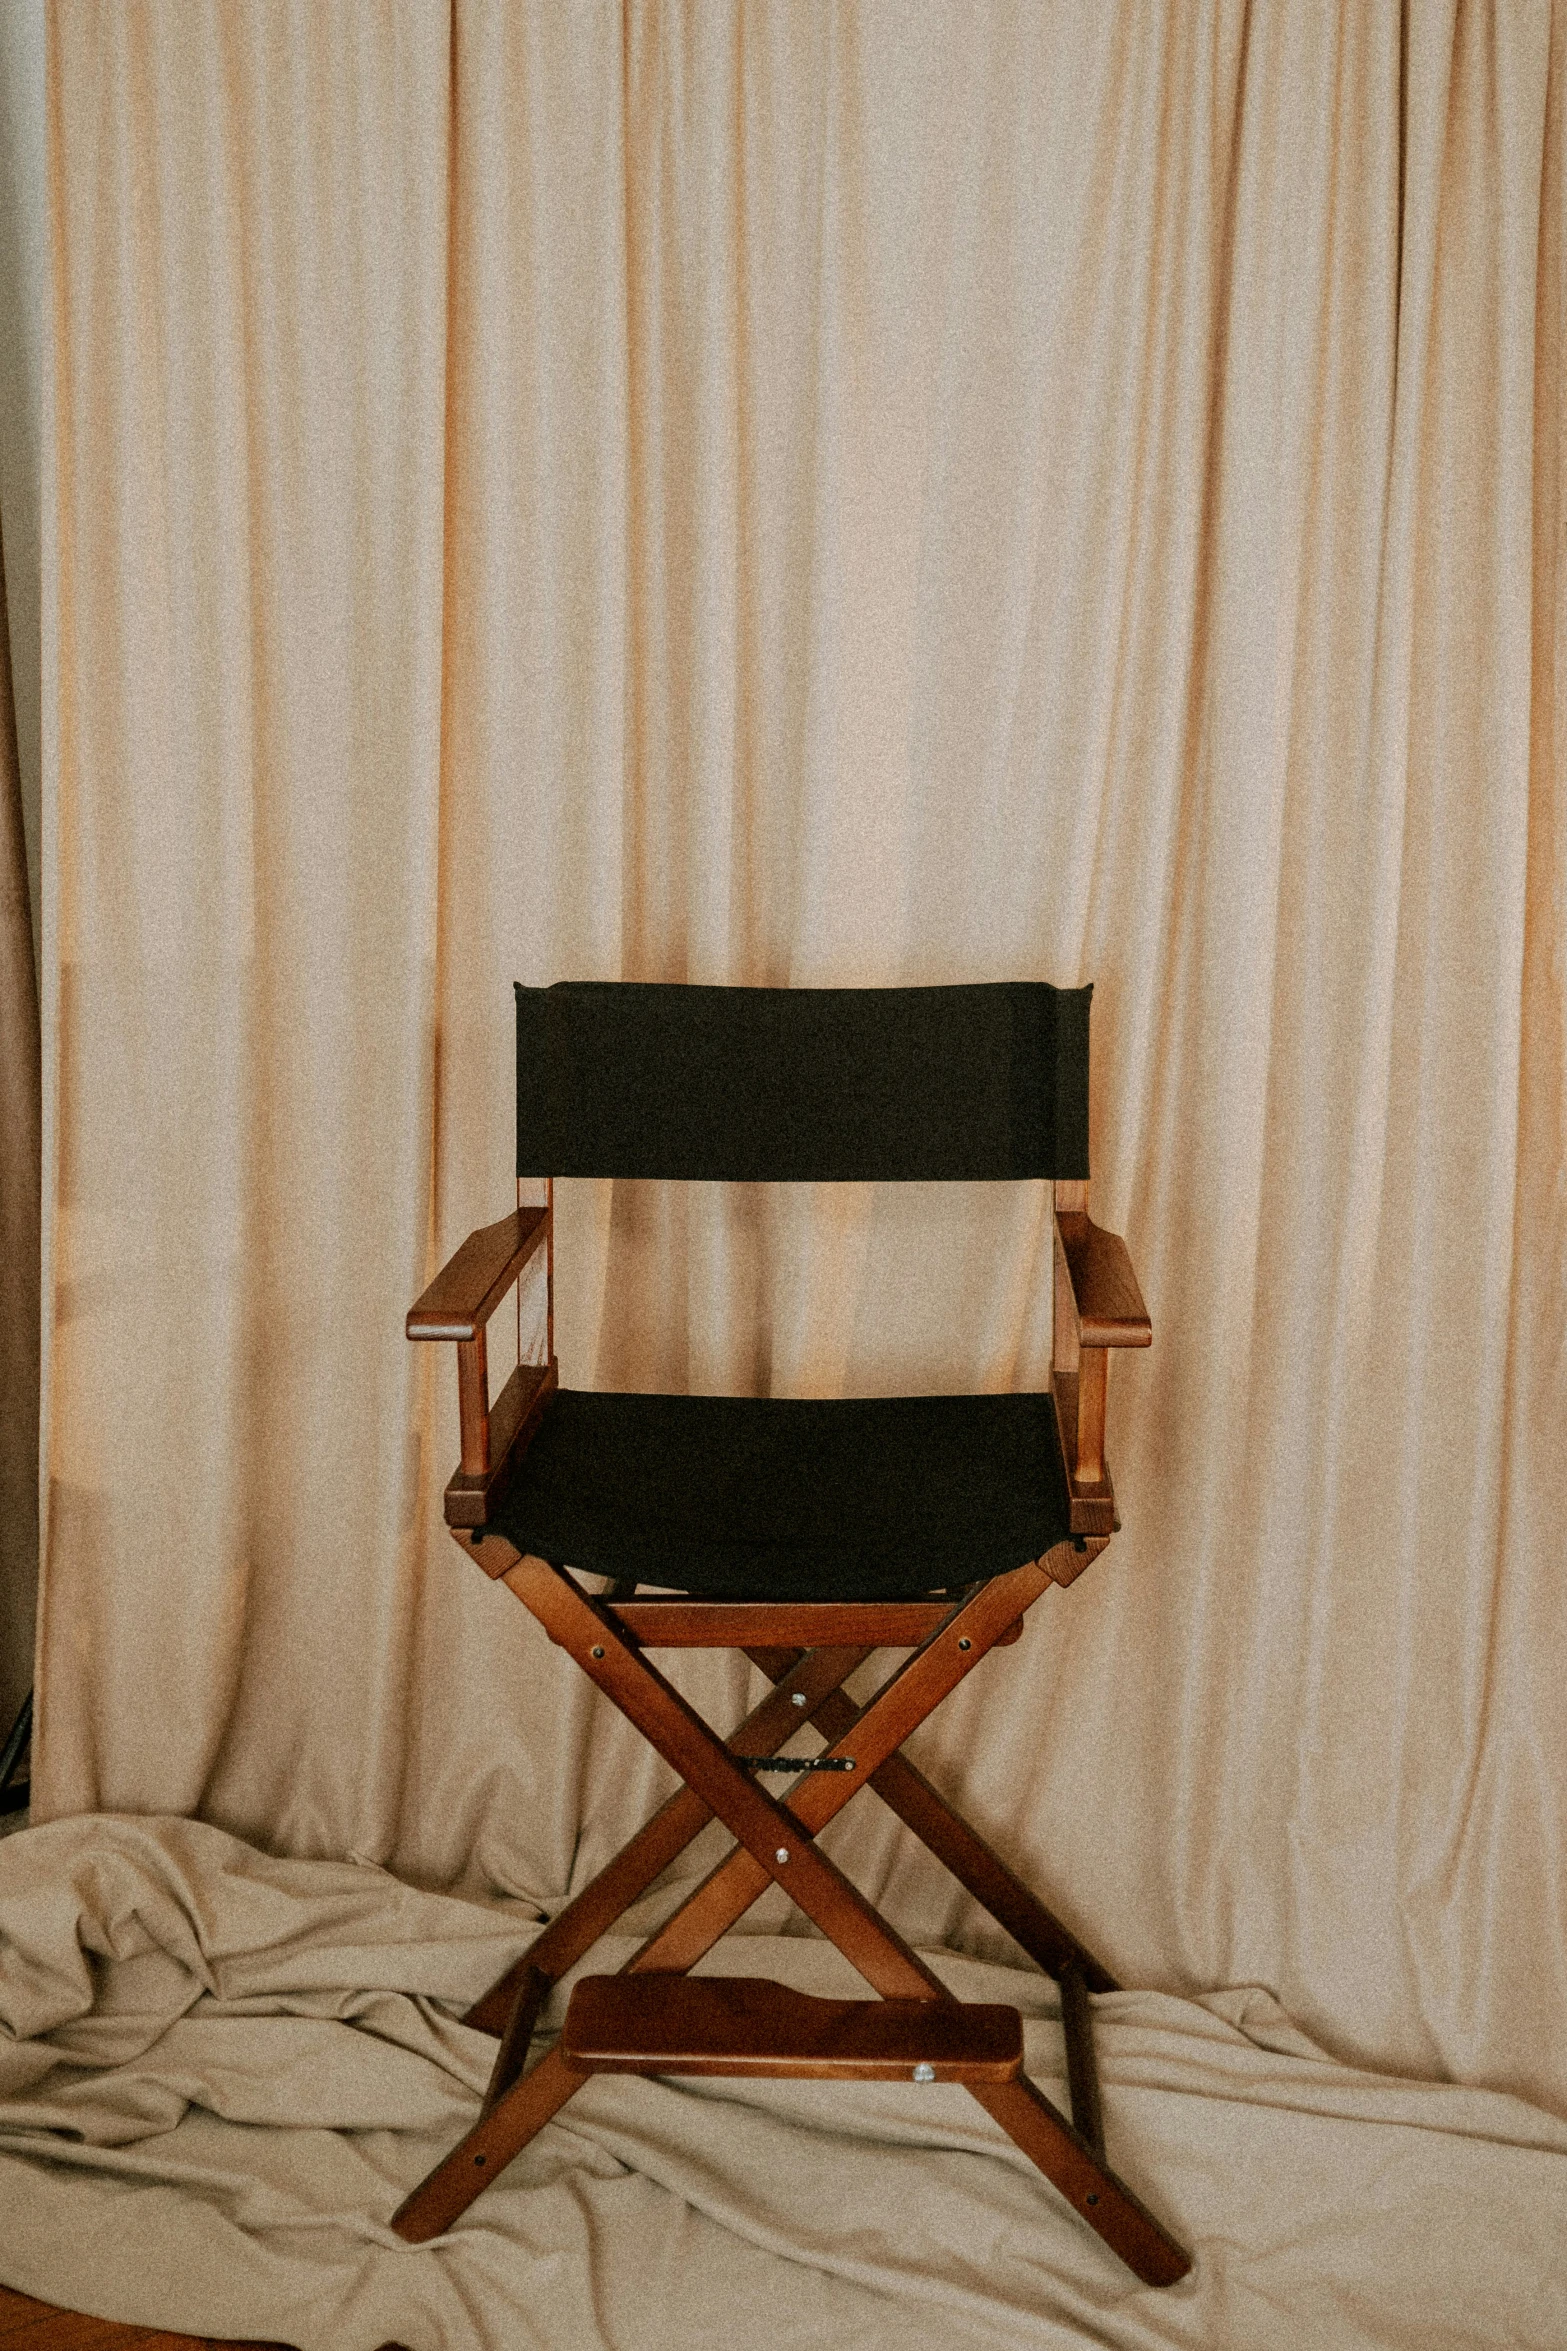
472 1283
1110 1309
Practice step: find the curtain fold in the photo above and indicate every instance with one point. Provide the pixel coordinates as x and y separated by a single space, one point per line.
825 496
19 1201
21 325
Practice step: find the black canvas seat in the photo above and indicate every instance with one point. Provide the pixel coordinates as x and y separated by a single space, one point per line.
817 1536
764 1498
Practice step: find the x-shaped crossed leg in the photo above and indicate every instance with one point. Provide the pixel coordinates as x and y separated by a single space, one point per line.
774 1844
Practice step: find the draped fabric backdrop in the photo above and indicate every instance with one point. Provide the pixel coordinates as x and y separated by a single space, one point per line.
840 495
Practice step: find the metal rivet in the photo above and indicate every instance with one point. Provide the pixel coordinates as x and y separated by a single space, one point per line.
965 1643
924 2073
782 1853
598 1652
1093 2195
479 2161
798 1698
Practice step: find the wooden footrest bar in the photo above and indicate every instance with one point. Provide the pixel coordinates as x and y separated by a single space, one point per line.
656 2023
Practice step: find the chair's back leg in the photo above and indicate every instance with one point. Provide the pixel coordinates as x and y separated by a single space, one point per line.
1082 2075
533 1990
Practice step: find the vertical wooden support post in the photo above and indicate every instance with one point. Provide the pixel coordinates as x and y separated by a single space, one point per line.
549 1270
473 1404
1093 1363
1064 1340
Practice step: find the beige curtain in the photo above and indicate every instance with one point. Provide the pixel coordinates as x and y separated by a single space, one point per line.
809 495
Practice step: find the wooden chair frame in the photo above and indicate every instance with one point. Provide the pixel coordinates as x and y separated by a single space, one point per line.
807 1651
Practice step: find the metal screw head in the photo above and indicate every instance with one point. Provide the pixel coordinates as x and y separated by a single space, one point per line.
782 1853
598 1652
924 2073
965 1643
797 1698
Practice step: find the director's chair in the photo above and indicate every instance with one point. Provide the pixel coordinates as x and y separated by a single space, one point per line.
807 1533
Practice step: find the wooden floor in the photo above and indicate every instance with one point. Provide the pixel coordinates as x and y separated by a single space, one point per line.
38 2326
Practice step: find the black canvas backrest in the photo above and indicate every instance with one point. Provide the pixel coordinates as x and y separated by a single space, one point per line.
833 1085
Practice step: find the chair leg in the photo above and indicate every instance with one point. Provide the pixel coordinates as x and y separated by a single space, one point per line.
512 2055
1062 2153
1029 2119
728 1892
820 1889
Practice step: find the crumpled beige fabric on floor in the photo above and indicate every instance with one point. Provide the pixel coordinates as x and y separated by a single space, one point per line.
220 2071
